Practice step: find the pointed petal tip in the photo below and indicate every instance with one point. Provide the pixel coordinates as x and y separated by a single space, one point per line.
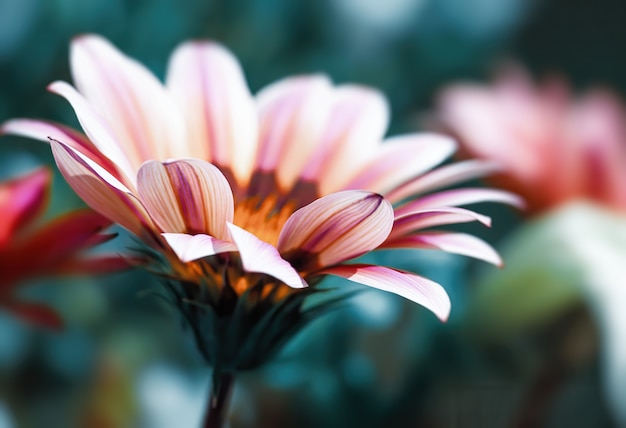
260 257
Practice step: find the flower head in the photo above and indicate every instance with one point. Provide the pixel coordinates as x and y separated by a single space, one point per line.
553 148
255 198
28 250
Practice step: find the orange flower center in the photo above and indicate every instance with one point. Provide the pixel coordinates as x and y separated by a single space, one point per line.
263 218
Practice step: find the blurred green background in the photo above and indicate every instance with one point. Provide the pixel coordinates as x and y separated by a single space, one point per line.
126 360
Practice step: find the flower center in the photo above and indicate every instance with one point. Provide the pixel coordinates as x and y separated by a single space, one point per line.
264 218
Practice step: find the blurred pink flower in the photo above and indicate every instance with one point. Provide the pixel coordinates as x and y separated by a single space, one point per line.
553 148
294 180
28 250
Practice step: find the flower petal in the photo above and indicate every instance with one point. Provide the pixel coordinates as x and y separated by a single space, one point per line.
22 199
434 217
357 123
444 176
261 257
44 131
64 236
335 228
207 81
130 98
400 159
98 131
187 196
463 196
102 192
193 247
293 114
416 288
456 243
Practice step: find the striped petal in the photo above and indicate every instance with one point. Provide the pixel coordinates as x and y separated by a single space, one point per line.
130 98
416 288
44 131
457 243
22 199
444 176
187 196
101 191
435 217
458 197
260 257
98 131
209 85
293 115
335 228
357 123
401 158
194 247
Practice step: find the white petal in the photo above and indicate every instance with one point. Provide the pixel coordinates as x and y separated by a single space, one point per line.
261 257
193 247
416 288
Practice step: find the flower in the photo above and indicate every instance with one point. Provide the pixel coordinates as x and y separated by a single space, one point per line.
553 148
256 199
28 251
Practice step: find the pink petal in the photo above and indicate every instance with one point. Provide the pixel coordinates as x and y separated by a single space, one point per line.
357 123
335 228
435 217
133 102
456 243
444 176
261 257
401 158
207 81
463 196
410 286
293 115
22 199
101 191
44 131
187 196
193 247
98 131
65 236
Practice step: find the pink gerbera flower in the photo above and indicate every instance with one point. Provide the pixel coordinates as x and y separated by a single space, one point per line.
253 200
30 251
553 147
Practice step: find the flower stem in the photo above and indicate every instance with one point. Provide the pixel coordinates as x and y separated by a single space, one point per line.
219 400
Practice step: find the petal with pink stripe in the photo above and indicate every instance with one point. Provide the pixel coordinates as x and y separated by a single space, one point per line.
293 116
444 176
98 131
335 228
451 242
458 197
130 98
209 85
103 192
416 288
435 217
356 124
400 159
187 196
261 257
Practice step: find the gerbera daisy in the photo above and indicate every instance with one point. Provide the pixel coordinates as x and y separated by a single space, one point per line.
252 201
553 147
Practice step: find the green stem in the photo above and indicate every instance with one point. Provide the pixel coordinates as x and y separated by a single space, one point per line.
219 400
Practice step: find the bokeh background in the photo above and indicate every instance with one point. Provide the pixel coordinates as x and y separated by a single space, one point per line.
126 359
